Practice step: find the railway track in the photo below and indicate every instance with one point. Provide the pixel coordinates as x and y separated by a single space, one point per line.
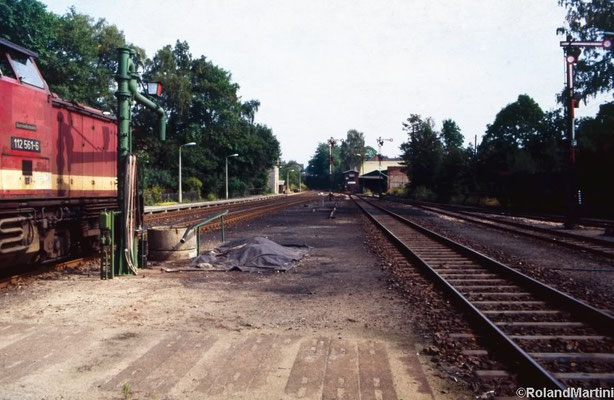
549 338
238 212
606 224
593 245
189 214
250 212
14 276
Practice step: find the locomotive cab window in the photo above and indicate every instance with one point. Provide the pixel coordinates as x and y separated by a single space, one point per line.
26 167
26 70
5 67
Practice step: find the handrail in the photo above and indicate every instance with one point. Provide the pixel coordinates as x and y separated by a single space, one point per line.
201 223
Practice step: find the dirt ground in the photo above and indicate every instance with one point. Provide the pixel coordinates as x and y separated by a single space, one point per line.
332 328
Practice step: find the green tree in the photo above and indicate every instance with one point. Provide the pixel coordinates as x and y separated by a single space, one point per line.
352 149
28 24
204 107
319 162
596 162
422 153
451 135
249 109
521 155
452 180
502 147
318 168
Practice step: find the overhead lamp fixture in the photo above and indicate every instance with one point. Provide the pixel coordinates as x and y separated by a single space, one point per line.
154 88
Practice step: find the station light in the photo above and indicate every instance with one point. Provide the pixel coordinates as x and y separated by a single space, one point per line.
154 88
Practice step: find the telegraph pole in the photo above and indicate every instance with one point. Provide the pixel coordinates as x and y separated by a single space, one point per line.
573 49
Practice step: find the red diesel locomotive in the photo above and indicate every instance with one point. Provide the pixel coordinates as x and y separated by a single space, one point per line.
57 166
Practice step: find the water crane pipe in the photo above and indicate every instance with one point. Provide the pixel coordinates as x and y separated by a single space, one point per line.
127 92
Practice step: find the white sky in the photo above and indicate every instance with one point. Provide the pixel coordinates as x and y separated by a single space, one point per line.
322 67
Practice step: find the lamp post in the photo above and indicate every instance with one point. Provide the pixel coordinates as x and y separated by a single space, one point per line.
186 144
232 155
299 180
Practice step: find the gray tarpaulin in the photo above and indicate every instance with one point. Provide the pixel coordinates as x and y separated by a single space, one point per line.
255 254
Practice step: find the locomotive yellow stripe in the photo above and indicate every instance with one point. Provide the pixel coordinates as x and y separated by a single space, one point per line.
11 179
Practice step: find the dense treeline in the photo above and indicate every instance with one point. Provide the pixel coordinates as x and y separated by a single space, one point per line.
77 56
522 142
522 160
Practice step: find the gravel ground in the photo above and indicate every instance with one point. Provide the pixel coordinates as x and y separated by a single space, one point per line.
585 276
440 323
70 335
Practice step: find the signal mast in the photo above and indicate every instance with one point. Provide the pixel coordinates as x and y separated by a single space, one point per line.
572 50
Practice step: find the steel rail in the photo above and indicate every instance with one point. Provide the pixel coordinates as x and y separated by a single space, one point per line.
188 212
530 369
153 210
12 276
566 239
253 212
592 222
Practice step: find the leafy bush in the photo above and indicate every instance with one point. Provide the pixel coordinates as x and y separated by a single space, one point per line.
193 184
424 193
153 195
159 177
236 187
398 191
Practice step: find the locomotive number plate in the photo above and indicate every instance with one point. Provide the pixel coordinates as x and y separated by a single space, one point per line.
18 143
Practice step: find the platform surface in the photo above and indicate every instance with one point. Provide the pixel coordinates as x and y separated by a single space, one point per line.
331 329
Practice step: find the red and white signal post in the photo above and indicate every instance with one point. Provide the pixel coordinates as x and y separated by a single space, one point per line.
573 49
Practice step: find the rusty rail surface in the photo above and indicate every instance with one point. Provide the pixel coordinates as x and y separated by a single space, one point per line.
13 276
173 214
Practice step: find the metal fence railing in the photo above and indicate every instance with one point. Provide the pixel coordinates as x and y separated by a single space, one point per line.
187 197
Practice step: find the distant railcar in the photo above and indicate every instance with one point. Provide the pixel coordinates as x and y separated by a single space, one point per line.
57 165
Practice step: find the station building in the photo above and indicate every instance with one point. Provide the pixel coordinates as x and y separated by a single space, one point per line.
380 163
382 173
